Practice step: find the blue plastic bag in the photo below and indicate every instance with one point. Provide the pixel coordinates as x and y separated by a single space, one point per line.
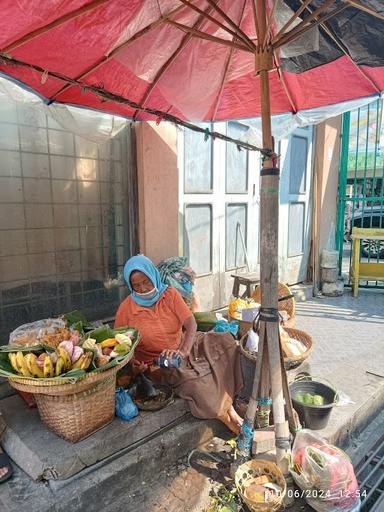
125 408
224 326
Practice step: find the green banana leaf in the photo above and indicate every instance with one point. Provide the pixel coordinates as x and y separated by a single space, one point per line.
77 320
34 348
117 360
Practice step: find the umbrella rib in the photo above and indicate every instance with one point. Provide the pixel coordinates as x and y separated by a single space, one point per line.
285 87
292 19
365 8
226 69
56 23
257 29
281 38
217 22
110 96
344 49
269 22
119 49
242 34
208 37
186 39
290 37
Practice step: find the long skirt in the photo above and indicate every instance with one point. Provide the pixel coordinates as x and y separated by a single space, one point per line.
210 377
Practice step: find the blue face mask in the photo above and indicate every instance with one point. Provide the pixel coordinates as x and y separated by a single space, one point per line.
147 296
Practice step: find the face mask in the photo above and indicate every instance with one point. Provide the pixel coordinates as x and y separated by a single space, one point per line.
147 295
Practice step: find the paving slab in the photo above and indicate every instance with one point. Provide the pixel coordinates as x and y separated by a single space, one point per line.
348 335
44 456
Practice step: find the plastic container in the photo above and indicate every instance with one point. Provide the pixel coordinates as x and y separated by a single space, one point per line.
314 417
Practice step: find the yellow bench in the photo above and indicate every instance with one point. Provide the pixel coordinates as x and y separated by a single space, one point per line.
368 271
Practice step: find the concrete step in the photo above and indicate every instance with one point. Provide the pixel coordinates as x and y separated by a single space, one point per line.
105 486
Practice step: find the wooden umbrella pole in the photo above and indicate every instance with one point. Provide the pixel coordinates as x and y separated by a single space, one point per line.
269 225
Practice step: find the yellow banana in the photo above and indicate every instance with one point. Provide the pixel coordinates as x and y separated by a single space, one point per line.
12 359
60 366
22 364
78 363
65 356
87 361
49 370
33 368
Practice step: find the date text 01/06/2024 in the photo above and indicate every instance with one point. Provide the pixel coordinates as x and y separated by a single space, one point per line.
319 494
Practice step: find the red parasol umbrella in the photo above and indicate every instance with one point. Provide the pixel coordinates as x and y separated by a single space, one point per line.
203 60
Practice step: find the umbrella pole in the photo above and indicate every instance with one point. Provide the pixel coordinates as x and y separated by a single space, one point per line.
269 227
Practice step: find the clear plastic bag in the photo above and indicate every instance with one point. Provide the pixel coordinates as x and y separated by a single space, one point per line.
126 409
324 473
28 335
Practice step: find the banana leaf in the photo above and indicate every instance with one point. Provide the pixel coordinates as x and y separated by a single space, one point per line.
105 331
77 320
34 348
117 360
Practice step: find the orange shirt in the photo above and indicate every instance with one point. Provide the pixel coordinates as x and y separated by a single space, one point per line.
159 325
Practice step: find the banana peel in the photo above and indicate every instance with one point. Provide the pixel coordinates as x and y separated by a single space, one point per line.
22 364
49 370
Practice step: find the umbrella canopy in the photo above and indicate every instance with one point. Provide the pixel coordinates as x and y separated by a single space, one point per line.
195 59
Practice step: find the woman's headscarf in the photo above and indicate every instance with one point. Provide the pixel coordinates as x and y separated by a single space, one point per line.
143 264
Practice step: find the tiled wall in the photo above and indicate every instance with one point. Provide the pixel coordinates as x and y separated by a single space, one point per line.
63 219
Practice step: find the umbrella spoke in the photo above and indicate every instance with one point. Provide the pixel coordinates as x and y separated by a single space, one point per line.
119 49
186 39
295 34
54 24
226 69
238 30
365 8
255 19
209 37
217 22
282 38
346 52
269 22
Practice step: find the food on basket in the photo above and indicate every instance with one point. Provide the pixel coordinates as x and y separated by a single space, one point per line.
50 332
291 346
237 305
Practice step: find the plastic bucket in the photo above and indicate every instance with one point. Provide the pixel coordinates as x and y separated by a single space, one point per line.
314 417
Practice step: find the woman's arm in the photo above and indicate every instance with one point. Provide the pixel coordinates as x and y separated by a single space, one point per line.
190 327
184 349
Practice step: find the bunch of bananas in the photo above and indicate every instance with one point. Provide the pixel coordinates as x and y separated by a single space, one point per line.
47 365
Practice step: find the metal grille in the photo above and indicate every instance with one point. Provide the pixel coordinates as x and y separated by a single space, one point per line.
361 184
67 219
370 476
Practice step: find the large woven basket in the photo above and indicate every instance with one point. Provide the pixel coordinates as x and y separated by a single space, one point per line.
74 411
251 469
287 305
289 362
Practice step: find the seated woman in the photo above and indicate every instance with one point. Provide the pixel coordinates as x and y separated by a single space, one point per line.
210 373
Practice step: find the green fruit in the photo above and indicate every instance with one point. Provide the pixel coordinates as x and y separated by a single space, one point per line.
318 400
121 349
308 399
299 398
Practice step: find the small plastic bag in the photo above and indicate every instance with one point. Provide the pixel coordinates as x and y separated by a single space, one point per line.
252 343
225 326
325 474
125 408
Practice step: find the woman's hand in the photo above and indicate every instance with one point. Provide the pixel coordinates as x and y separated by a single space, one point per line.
168 353
138 366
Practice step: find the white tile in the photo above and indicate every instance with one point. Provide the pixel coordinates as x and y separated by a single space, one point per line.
35 166
9 136
86 148
63 167
11 190
61 143
33 139
10 163
31 115
37 190
64 191
39 215
12 216
40 240
87 169
13 268
13 242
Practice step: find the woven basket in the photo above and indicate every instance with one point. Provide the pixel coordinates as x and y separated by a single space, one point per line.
289 362
285 305
251 469
75 417
75 410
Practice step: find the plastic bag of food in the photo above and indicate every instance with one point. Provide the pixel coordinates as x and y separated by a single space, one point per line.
125 408
324 473
51 331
